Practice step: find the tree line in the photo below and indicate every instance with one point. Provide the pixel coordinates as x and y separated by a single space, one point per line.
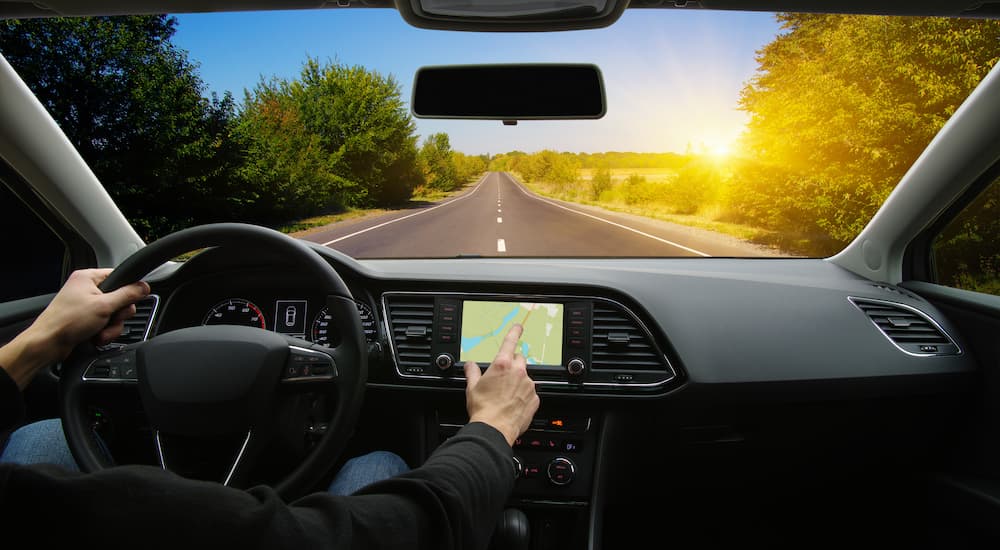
134 106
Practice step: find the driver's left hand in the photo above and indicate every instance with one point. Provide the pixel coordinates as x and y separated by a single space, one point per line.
79 311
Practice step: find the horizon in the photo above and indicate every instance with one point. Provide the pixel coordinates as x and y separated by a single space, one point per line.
704 59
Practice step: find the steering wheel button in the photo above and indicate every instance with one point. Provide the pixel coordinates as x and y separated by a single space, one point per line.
97 371
293 371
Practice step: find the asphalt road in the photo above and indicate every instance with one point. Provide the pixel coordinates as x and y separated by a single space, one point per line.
499 217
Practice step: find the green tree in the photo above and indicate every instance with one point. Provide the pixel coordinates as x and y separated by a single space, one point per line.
600 181
840 108
438 164
338 136
468 167
134 107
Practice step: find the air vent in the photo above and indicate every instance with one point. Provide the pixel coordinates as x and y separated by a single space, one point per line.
910 329
137 327
411 319
619 343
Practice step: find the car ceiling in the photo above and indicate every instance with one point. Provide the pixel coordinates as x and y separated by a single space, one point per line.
46 8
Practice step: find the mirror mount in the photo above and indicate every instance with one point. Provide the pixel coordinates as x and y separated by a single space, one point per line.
511 15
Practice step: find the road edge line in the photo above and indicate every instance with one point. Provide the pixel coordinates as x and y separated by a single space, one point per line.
522 189
367 229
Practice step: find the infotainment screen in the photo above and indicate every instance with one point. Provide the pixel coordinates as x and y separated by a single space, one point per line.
484 325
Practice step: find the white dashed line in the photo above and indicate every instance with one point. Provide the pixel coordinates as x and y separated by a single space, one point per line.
501 245
356 233
499 220
499 210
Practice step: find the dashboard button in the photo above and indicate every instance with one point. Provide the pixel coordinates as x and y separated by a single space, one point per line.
561 471
571 445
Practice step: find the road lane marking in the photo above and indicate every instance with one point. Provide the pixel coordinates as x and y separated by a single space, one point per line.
627 228
499 211
499 220
501 245
356 233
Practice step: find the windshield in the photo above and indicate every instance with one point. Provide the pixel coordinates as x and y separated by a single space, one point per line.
726 134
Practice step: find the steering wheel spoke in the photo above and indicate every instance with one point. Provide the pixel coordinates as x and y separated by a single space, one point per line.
113 367
309 366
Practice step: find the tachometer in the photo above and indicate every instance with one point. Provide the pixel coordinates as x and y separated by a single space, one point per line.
235 311
323 333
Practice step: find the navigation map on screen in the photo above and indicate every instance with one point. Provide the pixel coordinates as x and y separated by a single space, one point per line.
484 325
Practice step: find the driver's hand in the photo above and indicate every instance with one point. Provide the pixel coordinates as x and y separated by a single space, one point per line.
81 310
78 312
504 396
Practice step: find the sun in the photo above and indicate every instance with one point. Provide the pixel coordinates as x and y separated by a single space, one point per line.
720 150
717 148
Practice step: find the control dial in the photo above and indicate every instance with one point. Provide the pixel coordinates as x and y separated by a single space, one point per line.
444 361
576 366
561 471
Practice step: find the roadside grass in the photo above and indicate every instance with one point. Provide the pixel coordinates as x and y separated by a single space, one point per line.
619 175
420 195
313 222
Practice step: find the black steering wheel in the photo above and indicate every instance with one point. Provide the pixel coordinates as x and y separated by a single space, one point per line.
208 383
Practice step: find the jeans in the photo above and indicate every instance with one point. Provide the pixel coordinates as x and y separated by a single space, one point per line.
43 442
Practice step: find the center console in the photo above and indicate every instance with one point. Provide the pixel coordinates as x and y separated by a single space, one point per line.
575 346
554 465
570 343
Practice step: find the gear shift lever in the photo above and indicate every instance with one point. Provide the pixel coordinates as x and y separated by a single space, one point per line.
512 531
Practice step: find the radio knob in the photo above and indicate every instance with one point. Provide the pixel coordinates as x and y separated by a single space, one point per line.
444 361
561 471
576 366
518 467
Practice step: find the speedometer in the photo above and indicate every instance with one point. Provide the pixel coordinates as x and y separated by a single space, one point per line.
324 333
235 311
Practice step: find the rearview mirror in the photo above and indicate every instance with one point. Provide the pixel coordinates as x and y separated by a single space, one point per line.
509 92
511 15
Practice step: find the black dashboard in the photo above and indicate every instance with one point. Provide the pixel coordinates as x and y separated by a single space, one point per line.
725 370
634 327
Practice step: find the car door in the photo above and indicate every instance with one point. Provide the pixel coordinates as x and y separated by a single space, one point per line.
39 250
955 264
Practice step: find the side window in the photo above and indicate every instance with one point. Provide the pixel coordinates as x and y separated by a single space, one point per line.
33 255
967 252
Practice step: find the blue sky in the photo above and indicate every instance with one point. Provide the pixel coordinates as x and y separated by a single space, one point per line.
673 77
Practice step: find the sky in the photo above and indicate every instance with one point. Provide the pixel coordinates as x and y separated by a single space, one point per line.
672 77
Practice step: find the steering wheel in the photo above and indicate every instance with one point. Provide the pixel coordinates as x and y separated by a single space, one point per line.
211 383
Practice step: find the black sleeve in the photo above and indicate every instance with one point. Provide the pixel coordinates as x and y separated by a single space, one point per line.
452 501
11 403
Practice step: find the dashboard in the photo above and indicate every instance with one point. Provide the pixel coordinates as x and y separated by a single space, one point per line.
595 327
730 371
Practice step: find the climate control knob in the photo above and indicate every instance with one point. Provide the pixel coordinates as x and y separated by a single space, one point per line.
444 361
561 471
518 467
576 366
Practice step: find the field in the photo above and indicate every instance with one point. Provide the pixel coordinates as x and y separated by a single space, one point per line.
619 175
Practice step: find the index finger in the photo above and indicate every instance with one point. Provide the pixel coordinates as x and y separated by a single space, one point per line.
510 341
